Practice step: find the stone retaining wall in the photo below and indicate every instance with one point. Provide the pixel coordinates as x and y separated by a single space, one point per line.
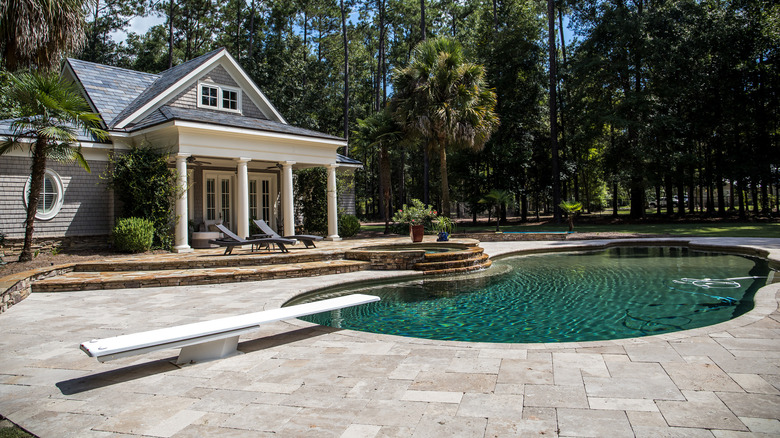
12 247
14 288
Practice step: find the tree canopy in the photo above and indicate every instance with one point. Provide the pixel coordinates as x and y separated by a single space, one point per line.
655 100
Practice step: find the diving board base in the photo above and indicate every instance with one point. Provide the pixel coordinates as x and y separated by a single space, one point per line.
219 349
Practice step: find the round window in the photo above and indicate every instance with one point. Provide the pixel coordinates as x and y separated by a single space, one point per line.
50 199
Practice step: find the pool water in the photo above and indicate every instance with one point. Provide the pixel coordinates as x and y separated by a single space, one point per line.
565 297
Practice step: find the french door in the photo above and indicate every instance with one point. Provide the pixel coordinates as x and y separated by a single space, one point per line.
262 198
218 205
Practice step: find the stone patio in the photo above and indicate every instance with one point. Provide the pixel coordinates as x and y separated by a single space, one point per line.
296 379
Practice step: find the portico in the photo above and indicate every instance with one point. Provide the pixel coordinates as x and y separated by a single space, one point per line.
246 177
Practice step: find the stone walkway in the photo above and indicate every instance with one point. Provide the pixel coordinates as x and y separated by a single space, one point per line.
296 379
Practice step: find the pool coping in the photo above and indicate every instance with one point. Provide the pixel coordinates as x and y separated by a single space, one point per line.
765 300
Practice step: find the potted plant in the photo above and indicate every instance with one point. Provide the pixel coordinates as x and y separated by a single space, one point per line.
416 216
443 225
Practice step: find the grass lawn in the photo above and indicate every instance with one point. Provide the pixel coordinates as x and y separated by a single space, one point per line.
700 229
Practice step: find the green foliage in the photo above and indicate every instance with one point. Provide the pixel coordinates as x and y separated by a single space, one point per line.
415 214
34 34
133 234
442 224
311 200
349 225
499 199
571 209
443 98
51 110
146 188
13 432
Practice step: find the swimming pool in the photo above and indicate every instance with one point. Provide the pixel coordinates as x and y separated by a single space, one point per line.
565 297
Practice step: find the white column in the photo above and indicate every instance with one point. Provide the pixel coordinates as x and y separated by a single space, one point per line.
242 197
288 210
180 239
333 205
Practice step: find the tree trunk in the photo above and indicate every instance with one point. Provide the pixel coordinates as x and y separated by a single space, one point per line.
680 195
380 62
422 20
251 30
614 199
238 29
445 187
170 34
741 200
37 171
426 158
553 112
669 195
346 74
384 184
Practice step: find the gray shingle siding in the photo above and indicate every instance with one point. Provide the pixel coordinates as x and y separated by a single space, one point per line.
85 204
189 97
219 76
186 99
249 109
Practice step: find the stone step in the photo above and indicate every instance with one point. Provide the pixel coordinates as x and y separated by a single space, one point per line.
476 259
466 253
460 270
74 281
209 261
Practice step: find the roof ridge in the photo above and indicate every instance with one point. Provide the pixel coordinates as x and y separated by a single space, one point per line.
192 61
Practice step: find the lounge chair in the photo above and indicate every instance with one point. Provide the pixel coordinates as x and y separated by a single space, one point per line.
307 239
232 240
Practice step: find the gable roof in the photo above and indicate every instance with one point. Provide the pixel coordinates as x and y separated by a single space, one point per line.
123 97
109 89
167 113
164 81
131 101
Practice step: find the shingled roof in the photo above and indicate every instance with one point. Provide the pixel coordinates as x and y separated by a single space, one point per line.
118 94
110 89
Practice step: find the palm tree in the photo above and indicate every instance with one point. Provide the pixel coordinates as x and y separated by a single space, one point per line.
52 111
37 32
444 99
380 129
498 198
571 209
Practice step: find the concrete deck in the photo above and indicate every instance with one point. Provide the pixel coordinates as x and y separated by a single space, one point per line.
296 379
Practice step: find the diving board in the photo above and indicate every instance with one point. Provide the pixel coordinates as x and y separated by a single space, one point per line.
209 340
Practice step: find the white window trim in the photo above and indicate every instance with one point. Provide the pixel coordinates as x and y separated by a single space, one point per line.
58 186
219 88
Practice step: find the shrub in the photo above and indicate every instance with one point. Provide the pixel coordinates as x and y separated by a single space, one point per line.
133 234
146 188
349 225
310 200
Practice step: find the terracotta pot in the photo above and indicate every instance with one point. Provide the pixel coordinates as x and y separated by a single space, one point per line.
417 232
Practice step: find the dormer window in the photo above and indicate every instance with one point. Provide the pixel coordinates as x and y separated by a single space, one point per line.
219 97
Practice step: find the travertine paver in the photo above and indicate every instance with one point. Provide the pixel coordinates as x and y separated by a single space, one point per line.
296 379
